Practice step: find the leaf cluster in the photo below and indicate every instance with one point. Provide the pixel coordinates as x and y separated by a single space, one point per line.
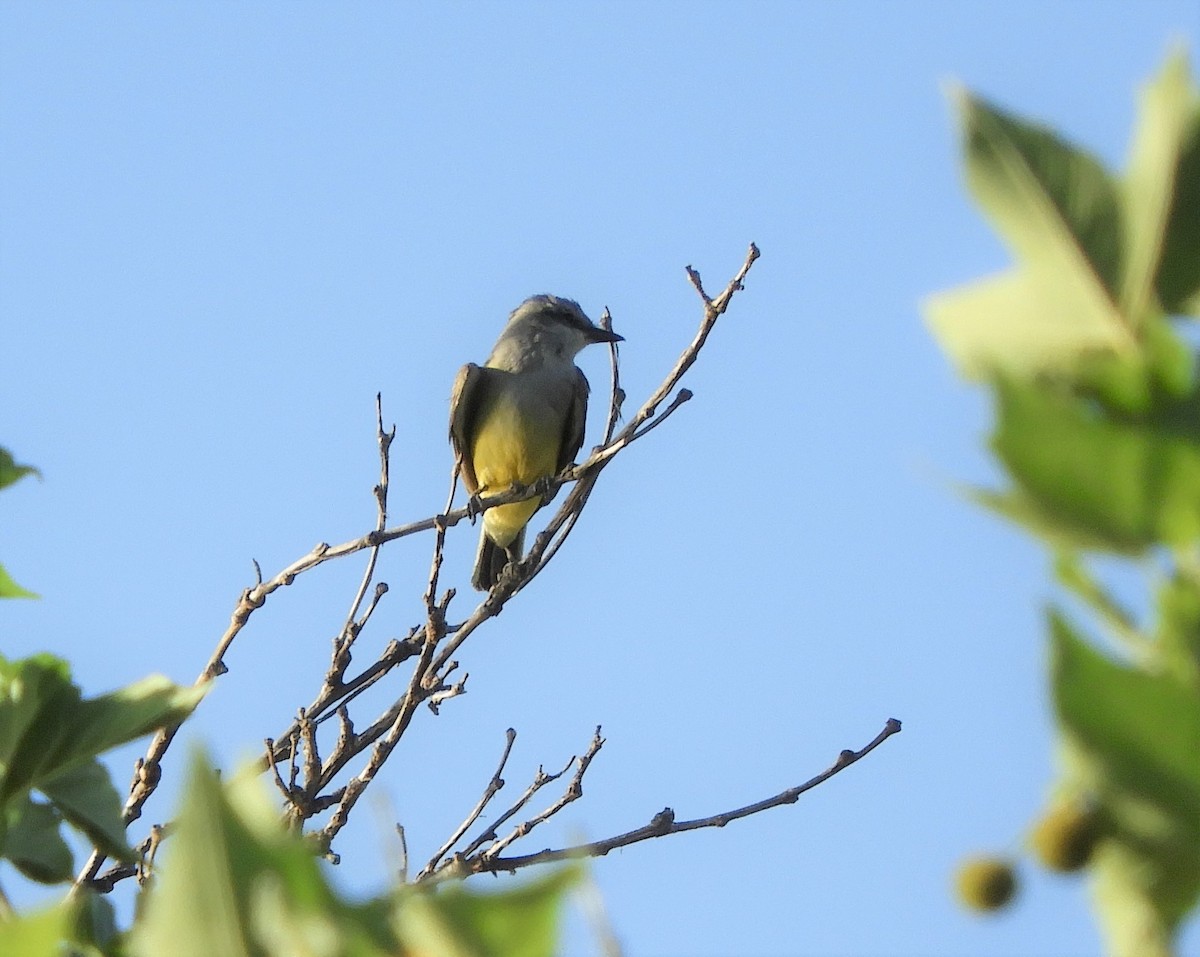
240 884
1083 343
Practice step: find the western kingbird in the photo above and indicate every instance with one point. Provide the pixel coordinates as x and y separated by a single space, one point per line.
519 418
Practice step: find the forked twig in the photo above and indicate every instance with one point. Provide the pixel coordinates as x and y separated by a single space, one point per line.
431 646
662 824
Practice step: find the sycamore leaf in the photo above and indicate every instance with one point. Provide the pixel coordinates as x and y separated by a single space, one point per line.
1130 484
10 589
85 796
1163 185
456 922
1060 531
1161 195
1178 628
1021 322
47 727
50 736
237 883
11 472
1053 202
1131 740
37 935
33 844
1096 259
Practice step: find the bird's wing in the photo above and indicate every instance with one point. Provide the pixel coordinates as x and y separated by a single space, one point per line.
573 423
463 400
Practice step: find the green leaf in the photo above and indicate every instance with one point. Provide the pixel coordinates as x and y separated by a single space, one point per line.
1054 203
1130 484
11 472
49 738
1020 322
1075 575
129 713
1179 271
1178 630
1154 379
1059 531
30 690
47 728
85 796
1090 252
457 922
195 907
10 589
1059 211
1166 165
95 921
36 935
1161 195
33 844
1131 739
237 883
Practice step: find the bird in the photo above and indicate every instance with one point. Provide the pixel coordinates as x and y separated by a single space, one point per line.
519 418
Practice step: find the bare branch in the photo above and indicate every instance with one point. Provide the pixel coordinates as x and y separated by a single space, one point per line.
493 787
573 792
616 395
663 823
433 644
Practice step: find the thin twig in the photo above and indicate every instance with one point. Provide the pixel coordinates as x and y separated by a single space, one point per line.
435 651
493 787
616 395
540 780
663 823
573 792
351 628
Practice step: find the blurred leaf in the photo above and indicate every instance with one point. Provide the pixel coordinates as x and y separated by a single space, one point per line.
10 589
1059 531
1178 631
1074 574
1159 375
1059 211
1179 272
1090 251
1131 739
1161 192
237 883
128 713
457 922
95 921
85 796
11 472
1022 323
1054 203
1131 484
36 935
28 689
194 906
47 727
50 736
32 842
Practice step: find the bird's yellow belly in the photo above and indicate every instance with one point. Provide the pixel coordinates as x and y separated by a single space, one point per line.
513 445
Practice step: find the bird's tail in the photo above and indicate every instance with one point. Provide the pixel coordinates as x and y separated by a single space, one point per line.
491 559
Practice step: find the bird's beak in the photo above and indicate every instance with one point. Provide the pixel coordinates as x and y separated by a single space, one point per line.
603 335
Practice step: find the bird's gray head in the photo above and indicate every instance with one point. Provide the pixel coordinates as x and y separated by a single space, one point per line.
553 328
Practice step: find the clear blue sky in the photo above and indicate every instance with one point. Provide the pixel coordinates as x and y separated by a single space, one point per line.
224 228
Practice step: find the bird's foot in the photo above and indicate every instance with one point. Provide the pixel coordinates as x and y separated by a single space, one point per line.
474 506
